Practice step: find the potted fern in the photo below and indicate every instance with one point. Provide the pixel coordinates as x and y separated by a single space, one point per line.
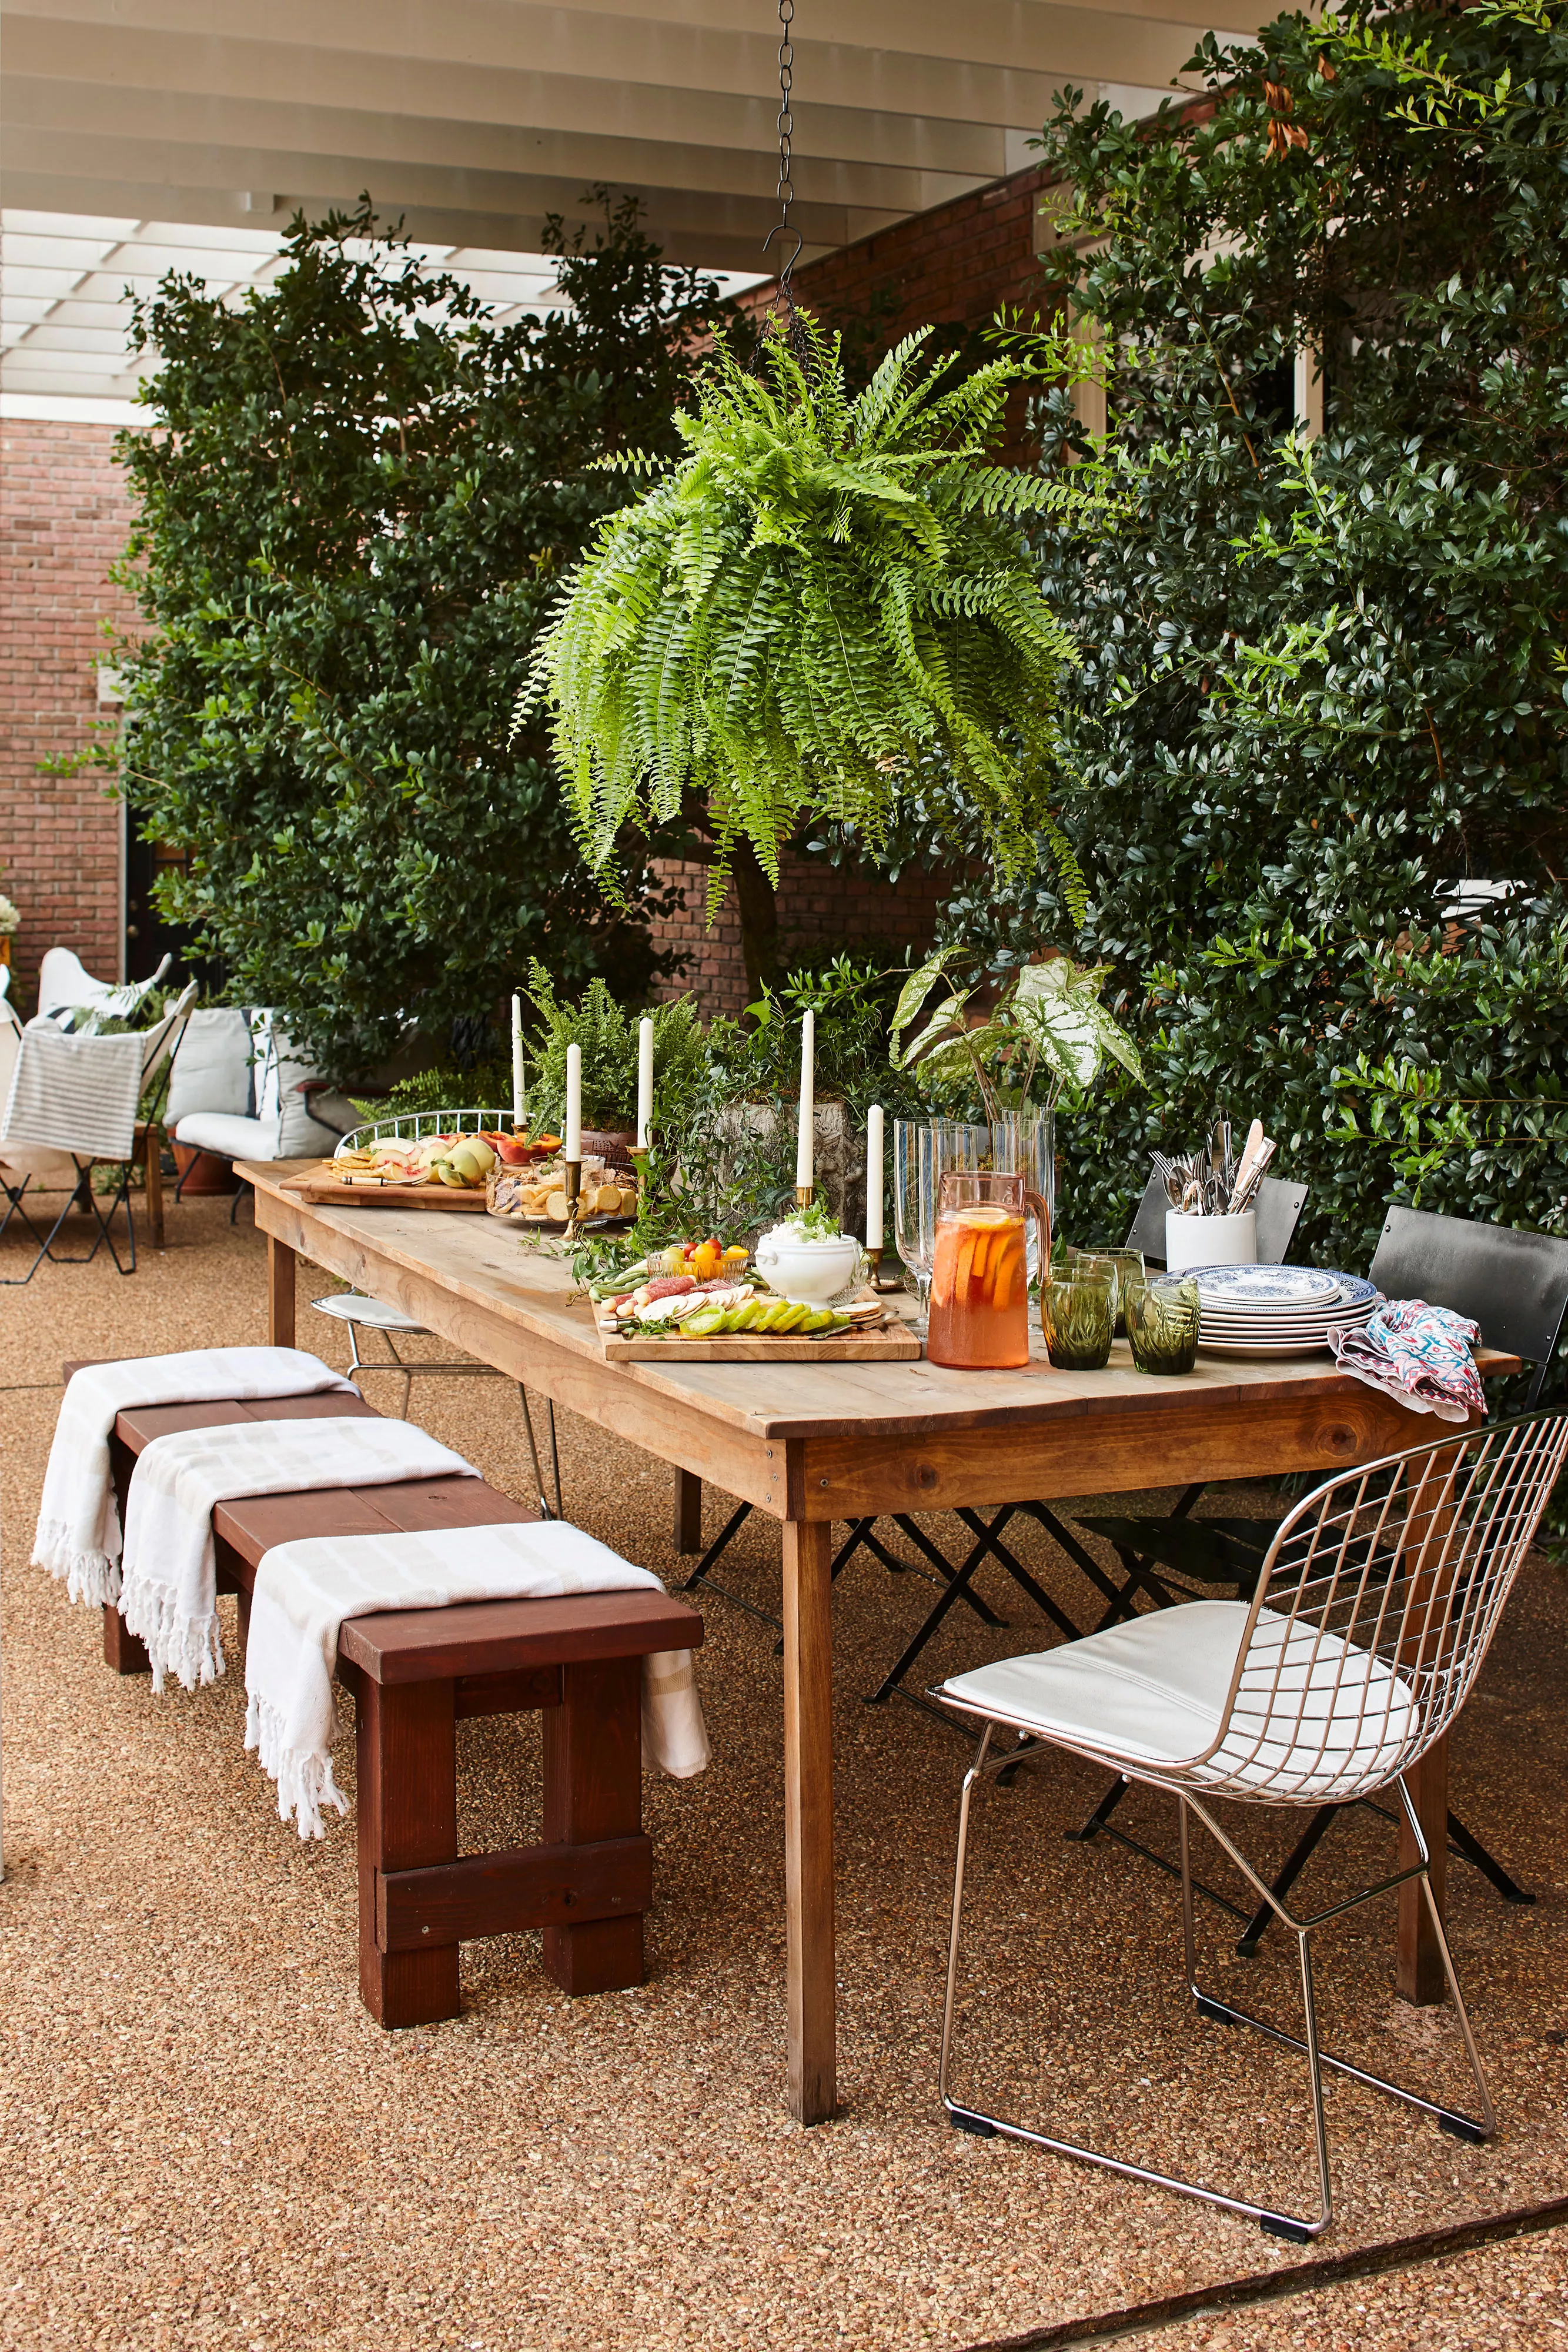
827 604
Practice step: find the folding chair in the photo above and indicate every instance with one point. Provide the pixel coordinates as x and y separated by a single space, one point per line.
1515 1286
1375 1607
72 1103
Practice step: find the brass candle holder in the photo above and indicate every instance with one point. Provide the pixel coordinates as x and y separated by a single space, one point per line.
804 1195
879 1281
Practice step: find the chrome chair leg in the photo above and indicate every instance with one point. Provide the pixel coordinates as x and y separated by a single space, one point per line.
1296 2227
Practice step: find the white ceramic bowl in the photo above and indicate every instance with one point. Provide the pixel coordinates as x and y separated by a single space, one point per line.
811 1270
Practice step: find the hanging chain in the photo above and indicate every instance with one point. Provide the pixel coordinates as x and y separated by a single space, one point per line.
784 226
785 140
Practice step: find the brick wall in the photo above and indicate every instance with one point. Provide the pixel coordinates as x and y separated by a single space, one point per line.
818 907
949 268
64 517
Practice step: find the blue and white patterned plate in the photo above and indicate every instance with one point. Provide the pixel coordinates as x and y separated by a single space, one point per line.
1266 1286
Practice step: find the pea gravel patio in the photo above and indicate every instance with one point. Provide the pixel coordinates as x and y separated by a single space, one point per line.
207 2142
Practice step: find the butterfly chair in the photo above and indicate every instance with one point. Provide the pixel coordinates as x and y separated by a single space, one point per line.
71 997
1515 1286
72 1102
1375 1606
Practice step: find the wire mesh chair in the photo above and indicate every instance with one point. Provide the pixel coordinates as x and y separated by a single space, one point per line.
1373 1612
373 1314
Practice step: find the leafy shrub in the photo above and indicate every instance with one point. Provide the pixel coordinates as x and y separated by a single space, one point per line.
1323 685
352 521
608 1038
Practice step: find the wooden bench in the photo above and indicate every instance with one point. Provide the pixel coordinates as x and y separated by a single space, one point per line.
414 1673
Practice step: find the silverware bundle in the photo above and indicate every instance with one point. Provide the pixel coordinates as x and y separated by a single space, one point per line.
1212 1182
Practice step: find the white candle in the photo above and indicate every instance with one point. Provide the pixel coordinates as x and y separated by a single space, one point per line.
644 1077
804 1164
573 1103
518 1099
873 1150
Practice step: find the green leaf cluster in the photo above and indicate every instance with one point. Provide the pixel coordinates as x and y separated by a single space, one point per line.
357 498
1041 1034
606 1034
823 600
1321 697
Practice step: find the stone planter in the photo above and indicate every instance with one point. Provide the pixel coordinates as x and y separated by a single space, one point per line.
838 1147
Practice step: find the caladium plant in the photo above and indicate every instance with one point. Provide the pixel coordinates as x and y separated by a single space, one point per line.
1045 1028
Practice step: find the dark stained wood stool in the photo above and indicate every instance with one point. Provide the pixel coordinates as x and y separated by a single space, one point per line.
414 1673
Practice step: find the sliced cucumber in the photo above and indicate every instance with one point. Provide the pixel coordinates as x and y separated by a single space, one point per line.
702 1326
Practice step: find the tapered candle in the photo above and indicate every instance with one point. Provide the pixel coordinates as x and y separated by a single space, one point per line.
573 1103
644 1080
873 1148
805 1177
517 1095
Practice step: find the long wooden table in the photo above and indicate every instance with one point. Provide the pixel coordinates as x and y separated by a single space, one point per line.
811 1444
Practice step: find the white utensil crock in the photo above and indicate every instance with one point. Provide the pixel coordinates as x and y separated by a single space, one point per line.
1210 1241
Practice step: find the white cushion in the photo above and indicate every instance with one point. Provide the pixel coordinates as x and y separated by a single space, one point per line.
1150 1696
348 1306
253 1138
279 1077
230 1137
211 1065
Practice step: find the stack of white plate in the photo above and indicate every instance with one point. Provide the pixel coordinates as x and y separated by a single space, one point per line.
1277 1310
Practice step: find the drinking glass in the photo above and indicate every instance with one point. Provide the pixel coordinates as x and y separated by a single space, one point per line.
979 1286
914 1194
1077 1312
1024 1142
1161 1313
1125 1264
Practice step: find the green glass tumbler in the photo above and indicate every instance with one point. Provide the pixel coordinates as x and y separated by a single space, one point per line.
1078 1314
1128 1266
1161 1313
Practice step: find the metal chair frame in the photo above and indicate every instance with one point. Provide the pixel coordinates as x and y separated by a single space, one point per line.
158 1054
1414 1602
1525 1314
413 1369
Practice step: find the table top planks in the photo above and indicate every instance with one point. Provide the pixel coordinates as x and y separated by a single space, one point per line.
482 1264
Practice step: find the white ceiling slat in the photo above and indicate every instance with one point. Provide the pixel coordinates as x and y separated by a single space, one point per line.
140 136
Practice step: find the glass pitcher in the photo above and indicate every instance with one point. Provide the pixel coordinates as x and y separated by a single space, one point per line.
979 1284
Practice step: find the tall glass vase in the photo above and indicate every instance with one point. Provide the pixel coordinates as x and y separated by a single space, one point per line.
923 1150
1023 1143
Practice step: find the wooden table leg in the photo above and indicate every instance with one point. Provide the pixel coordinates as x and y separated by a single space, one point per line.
406 1745
280 1262
593 1788
154 1170
126 1653
809 1816
688 1512
1420 1969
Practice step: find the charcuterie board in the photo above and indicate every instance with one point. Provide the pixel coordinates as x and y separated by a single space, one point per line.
316 1182
891 1343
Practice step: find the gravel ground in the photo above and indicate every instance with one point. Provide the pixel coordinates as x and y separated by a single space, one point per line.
209 2143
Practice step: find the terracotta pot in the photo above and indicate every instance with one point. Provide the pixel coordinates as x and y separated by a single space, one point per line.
203 1171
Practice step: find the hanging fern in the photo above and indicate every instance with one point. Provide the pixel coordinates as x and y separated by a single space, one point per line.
823 598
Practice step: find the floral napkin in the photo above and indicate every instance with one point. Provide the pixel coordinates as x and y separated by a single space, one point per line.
1419 1354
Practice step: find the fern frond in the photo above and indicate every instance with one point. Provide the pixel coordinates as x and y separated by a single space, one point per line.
820 596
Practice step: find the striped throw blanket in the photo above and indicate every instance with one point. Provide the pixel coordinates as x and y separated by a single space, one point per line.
168 1576
78 1525
78 1093
304 1591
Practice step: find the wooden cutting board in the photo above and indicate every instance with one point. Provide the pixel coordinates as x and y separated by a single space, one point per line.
313 1183
894 1343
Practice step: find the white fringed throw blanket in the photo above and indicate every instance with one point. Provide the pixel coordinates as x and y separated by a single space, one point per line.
169 1578
78 1525
304 1591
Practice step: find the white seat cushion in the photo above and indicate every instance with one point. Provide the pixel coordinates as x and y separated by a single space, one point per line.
212 1068
248 1138
1149 1698
350 1307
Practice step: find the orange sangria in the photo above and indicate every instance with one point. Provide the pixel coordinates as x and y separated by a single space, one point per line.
979 1282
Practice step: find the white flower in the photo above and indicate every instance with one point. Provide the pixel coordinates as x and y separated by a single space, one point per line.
10 917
